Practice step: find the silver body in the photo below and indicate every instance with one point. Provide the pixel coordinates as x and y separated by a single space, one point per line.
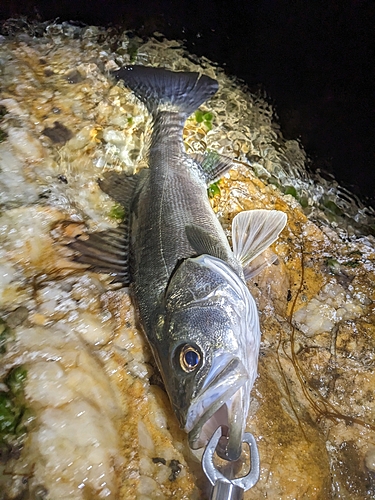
200 303
193 303
170 195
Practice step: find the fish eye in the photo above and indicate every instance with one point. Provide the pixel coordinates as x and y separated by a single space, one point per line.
189 358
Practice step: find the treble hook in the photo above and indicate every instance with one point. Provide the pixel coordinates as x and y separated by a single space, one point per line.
224 488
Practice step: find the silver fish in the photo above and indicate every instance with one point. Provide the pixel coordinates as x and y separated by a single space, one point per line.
189 286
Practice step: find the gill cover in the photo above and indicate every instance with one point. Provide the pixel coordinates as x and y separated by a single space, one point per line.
214 317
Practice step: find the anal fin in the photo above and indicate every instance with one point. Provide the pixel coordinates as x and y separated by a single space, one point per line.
120 187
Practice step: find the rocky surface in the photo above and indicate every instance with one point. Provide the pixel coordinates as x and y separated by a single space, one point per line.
82 414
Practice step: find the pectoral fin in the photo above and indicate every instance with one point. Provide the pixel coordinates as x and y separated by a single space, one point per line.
256 266
203 243
253 231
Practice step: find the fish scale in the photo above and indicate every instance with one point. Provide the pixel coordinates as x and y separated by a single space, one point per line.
163 241
189 287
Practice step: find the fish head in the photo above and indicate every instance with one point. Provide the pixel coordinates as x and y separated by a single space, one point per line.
207 346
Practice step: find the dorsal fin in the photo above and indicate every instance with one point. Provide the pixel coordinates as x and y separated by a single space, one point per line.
255 230
212 165
203 242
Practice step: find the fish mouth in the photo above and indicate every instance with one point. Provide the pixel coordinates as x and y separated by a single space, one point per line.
223 401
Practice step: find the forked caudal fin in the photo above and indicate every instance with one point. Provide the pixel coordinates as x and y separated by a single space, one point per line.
253 232
160 89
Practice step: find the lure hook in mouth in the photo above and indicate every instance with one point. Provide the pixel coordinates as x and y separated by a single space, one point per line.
224 487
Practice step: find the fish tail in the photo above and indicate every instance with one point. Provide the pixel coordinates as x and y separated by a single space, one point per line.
163 90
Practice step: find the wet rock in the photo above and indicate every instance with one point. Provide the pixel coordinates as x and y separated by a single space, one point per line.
17 317
59 134
74 76
313 403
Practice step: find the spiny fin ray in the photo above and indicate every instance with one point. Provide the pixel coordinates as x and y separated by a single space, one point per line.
105 252
108 251
212 165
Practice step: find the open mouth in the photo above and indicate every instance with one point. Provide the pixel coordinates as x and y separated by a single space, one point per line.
222 402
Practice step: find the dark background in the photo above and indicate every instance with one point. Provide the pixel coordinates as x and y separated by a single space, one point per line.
314 59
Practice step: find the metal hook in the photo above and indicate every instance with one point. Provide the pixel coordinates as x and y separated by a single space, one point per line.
224 488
